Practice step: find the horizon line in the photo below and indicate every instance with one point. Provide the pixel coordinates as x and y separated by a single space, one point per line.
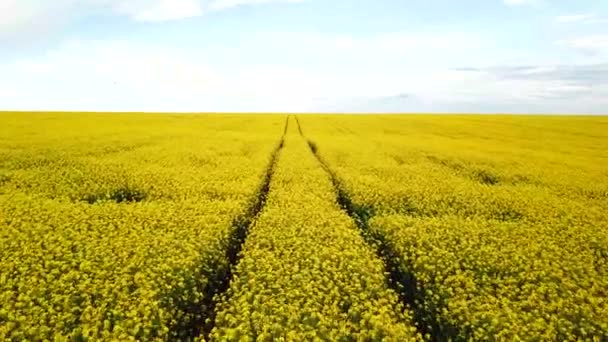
297 112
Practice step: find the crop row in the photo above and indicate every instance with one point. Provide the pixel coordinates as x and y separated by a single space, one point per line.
75 264
486 280
482 260
306 273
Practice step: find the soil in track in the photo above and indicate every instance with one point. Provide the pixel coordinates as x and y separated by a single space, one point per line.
221 281
306 271
403 283
299 126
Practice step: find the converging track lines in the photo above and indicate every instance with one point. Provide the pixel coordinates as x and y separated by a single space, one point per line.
241 227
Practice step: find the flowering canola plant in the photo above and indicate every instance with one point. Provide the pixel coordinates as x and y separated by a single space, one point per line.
126 227
500 227
120 231
306 273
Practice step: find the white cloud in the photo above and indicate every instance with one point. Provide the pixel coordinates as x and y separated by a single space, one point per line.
19 17
13 14
165 10
552 88
538 70
592 44
381 46
574 18
548 89
217 5
30 18
588 18
120 75
107 75
471 86
521 2
160 10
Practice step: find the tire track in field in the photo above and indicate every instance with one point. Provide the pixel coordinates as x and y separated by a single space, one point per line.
402 282
286 127
299 126
221 280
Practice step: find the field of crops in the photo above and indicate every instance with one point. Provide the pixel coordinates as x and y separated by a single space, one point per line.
159 227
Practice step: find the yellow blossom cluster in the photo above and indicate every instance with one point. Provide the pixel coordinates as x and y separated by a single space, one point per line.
499 224
306 273
117 226
157 227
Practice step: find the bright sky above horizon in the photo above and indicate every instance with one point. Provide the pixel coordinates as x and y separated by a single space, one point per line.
519 56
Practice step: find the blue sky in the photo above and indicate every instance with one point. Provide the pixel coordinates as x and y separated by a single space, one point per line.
537 56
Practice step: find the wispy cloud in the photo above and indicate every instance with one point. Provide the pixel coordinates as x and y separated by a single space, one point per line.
34 16
513 84
217 5
27 17
379 47
250 61
596 74
143 77
573 18
160 10
592 44
510 89
166 10
588 18
522 2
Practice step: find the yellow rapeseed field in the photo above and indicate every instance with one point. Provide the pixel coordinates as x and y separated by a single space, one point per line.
117 226
247 227
306 273
497 224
